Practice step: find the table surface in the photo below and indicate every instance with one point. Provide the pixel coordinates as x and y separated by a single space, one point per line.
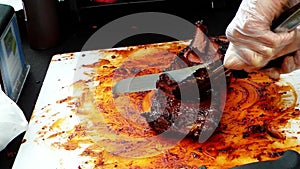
73 39
52 113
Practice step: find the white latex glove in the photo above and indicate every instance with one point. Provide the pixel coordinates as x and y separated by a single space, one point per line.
12 120
252 43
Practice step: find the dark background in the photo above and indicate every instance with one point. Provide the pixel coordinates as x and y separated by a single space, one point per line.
79 19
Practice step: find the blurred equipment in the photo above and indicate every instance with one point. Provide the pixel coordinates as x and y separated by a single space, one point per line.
42 23
14 69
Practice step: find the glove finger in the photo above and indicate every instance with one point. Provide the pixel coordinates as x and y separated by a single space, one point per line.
259 48
297 58
275 40
238 57
291 63
288 64
266 43
295 45
232 60
256 30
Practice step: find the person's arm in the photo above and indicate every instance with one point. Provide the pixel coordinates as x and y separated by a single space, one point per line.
252 43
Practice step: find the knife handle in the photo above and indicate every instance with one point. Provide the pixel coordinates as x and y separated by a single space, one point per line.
289 160
288 20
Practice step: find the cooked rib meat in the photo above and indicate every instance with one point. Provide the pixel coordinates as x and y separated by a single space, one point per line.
178 107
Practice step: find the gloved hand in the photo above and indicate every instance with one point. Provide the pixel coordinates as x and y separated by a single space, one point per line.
252 43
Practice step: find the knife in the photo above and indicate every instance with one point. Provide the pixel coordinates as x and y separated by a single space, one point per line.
287 21
148 82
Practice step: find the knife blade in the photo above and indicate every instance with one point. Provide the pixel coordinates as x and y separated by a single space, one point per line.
148 82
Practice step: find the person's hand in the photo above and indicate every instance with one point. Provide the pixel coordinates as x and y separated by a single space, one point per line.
252 43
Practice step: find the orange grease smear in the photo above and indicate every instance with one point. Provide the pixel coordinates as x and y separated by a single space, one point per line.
249 130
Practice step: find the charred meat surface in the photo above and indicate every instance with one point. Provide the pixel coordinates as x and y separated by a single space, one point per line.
186 107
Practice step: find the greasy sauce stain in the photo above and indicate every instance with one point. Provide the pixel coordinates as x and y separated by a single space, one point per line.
249 131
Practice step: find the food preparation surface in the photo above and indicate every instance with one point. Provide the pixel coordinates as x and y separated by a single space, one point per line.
78 123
